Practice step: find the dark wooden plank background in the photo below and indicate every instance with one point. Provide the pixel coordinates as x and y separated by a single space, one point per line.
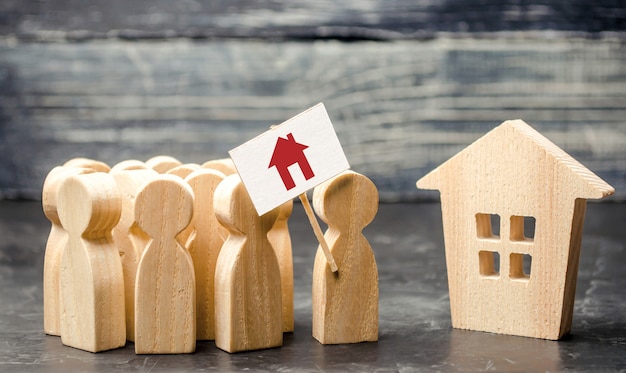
407 84
303 19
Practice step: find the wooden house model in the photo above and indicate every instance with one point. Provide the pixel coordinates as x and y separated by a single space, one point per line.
513 207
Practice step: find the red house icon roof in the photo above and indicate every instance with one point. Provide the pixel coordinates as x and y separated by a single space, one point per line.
286 153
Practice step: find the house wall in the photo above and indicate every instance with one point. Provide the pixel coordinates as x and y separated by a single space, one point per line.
407 84
541 307
575 243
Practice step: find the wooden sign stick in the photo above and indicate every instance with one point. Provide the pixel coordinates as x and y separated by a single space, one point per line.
318 231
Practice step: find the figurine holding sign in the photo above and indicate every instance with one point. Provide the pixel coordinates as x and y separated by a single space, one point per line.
345 306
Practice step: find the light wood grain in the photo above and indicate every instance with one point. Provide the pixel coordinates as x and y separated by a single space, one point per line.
345 303
317 230
55 245
93 164
248 303
514 172
227 167
128 237
163 163
129 164
183 170
92 282
223 165
165 296
204 245
280 239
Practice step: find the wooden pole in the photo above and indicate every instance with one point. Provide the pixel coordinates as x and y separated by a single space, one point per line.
318 231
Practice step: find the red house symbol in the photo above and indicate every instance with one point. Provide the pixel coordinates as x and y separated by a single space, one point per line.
286 153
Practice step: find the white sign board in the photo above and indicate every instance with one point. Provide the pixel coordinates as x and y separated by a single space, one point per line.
290 159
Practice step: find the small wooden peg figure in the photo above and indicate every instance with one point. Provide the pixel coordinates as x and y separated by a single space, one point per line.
248 310
281 242
227 167
345 304
88 163
165 296
204 245
129 164
162 163
223 165
184 170
128 237
57 240
92 283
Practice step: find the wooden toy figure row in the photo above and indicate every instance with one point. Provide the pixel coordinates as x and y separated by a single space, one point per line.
163 254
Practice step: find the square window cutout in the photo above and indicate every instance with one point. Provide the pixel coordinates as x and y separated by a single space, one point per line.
488 226
489 263
522 228
520 266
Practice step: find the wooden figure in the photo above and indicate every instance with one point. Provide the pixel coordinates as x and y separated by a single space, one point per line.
162 163
281 242
165 297
345 303
129 164
204 245
248 310
224 165
519 276
88 163
184 170
92 283
57 240
128 237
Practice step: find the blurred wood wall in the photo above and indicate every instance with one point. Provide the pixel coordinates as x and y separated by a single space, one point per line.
407 83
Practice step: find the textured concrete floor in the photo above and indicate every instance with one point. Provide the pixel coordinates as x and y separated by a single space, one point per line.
415 329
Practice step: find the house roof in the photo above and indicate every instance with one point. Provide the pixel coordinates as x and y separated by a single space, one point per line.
287 151
518 130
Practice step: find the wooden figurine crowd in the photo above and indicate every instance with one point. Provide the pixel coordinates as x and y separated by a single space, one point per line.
162 254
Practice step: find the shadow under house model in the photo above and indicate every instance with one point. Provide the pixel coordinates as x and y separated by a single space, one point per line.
508 279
